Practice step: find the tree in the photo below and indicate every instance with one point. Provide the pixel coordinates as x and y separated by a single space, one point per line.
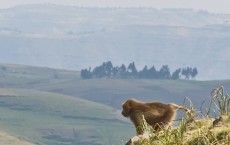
115 72
176 74
152 73
99 72
108 70
144 72
186 72
108 67
164 72
86 74
189 72
132 69
122 71
194 72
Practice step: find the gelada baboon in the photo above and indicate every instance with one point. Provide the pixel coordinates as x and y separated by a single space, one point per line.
156 114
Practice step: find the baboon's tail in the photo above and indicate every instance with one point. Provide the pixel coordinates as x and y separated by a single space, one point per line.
184 108
181 108
188 111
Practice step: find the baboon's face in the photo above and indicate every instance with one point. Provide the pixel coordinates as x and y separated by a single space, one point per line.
126 109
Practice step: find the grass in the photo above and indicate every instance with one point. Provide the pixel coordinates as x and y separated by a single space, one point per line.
200 132
111 92
204 133
221 101
196 131
6 139
54 119
37 103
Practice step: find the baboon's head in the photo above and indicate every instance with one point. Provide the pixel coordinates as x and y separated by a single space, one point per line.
127 106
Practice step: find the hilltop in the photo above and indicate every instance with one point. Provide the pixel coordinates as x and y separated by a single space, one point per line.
74 38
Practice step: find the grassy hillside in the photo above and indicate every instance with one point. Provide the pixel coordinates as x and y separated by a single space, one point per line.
57 107
53 119
6 139
113 92
193 129
198 132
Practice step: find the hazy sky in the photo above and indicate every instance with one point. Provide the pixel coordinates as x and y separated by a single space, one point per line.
222 6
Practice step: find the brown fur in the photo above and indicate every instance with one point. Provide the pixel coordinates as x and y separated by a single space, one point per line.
217 121
156 114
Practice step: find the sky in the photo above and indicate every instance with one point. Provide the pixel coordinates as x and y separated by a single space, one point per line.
215 6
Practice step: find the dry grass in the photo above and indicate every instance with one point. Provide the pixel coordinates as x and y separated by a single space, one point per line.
6 139
199 132
196 131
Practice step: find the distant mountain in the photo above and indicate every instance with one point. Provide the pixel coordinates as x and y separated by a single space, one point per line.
76 38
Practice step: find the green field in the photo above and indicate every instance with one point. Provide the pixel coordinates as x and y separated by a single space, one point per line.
48 118
56 107
7 139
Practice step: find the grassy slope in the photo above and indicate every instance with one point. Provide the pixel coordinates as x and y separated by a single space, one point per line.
198 132
110 92
113 92
54 119
50 118
202 130
6 139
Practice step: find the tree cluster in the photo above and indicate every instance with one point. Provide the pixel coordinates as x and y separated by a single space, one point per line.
107 70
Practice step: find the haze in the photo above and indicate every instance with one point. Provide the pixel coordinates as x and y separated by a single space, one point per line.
220 6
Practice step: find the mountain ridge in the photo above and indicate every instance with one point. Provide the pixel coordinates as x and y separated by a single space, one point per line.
76 38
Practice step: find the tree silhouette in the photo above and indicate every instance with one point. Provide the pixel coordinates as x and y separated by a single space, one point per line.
164 72
115 72
189 72
132 69
107 70
194 72
122 71
152 73
86 74
144 72
176 74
